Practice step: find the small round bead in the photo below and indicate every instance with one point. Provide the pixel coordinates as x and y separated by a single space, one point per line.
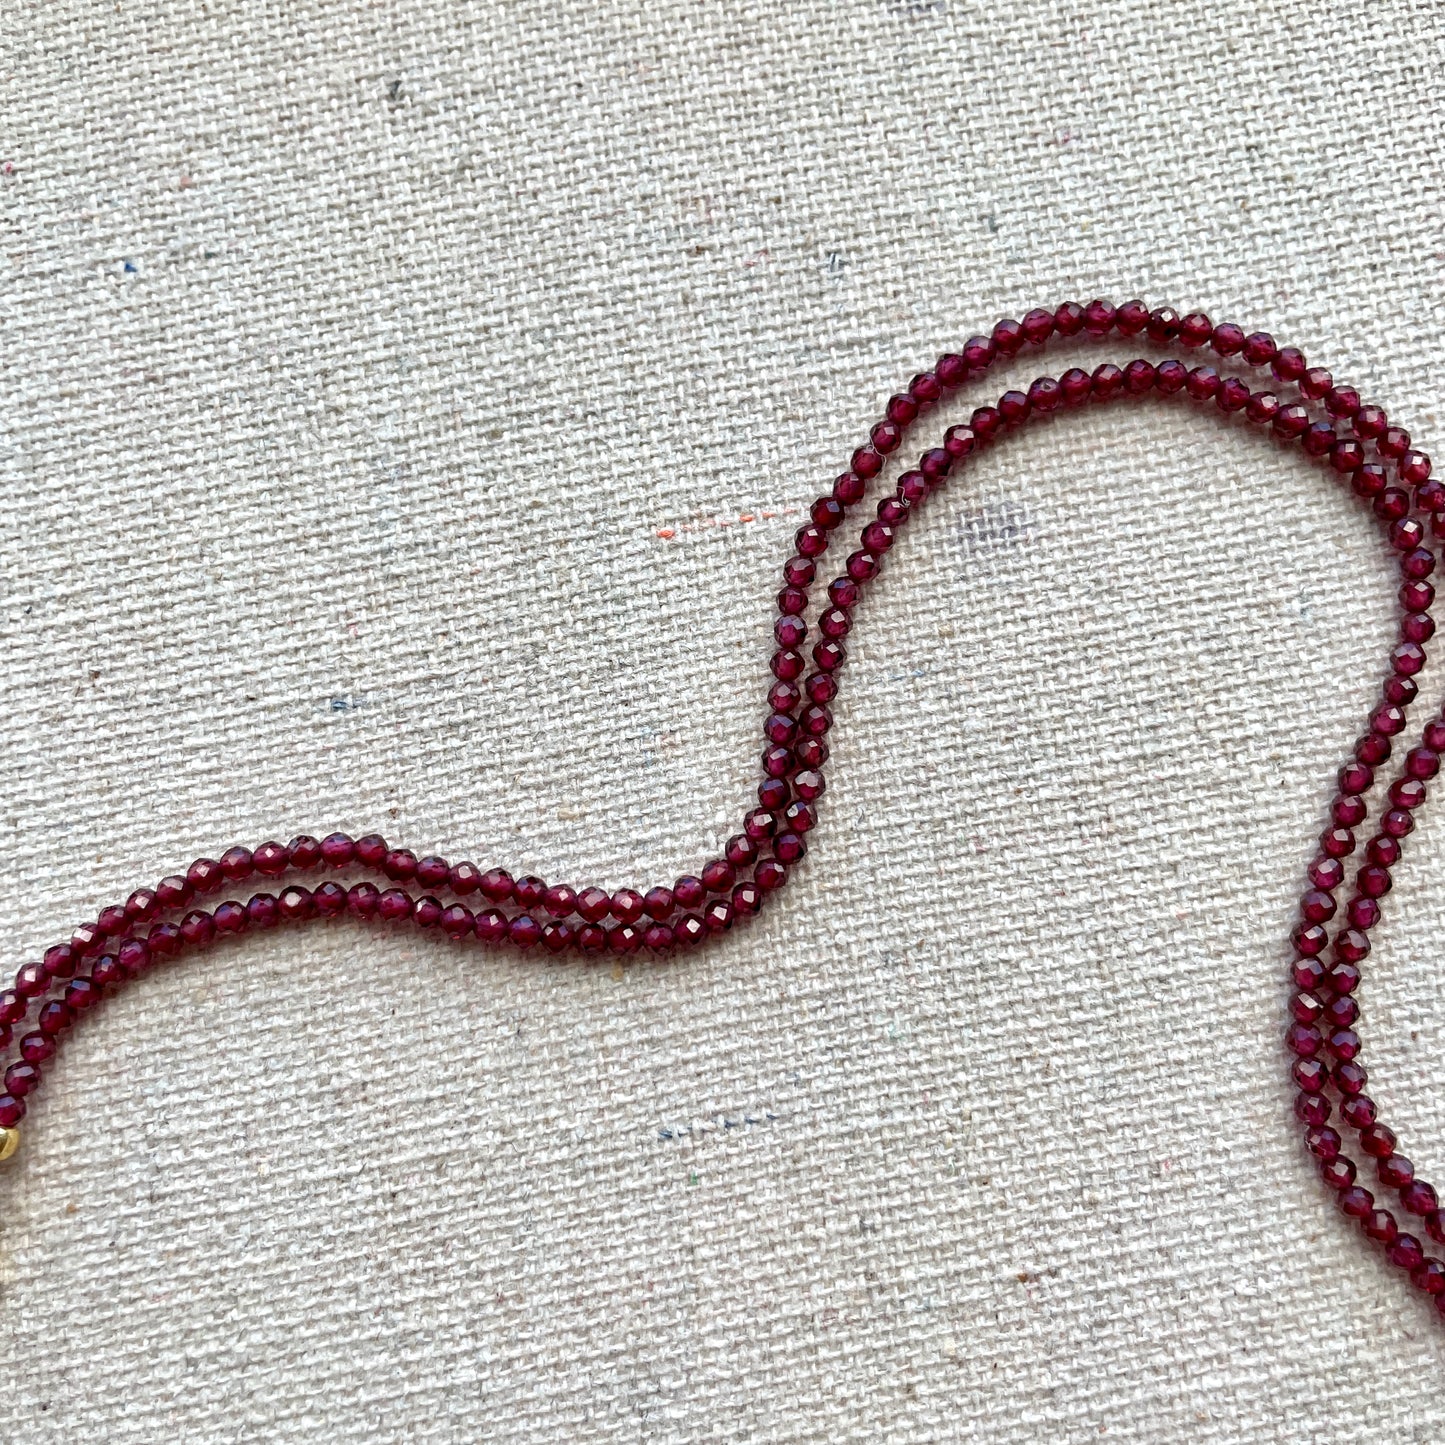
394 906
338 850
626 905
270 859
593 903
304 851
658 903
371 850
433 872
524 931
237 864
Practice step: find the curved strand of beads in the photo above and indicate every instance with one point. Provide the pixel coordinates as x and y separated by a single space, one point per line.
1329 421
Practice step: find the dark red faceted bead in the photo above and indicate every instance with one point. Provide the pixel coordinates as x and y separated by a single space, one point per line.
1107 381
560 900
1344 978
198 928
959 441
591 937
1075 386
270 859
1037 326
237 864
1195 329
593 903
770 874
1069 319
1099 317
626 905
296 904
1131 318
1323 1142
886 437
1291 421
433 872
524 931
496 885
557 936
1304 1040
658 938
624 938
112 921
799 571
979 352
394 906
689 930
55 1018
777 761
1350 1078
21 1079
1339 1172
330 899
951 369
81 993
1228 339
747 899
787 664
1312 1109
1288 364
1170 376
1357 1203
866 462
428 911
1358 1111
1341 1011
718 916
1395 1170
1344 1043
530 892
161 942
1259 348
400 865
1418 1197
1429 1276
458 922
740 850
143 905
12 1111
658 903
1435 1226
1309 973
1407 1252
262 911
338 850
689 892
1380 1226
718 876
362 900
492 926
811 752
304 851
1310 1074
31 981
231 917
789 847
172 892
1263 407
204 875
1233 395
1008 336
371 850
1138 377
1163 325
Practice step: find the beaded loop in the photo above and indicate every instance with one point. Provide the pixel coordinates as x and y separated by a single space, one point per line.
1355 442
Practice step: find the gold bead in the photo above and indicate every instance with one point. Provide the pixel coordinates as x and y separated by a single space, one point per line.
9 1142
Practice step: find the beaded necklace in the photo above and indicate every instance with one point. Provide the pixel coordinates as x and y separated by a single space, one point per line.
1329 422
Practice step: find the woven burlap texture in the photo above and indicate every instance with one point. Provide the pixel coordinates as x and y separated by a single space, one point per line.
407 409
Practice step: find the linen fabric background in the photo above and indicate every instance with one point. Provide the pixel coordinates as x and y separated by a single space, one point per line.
407 409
